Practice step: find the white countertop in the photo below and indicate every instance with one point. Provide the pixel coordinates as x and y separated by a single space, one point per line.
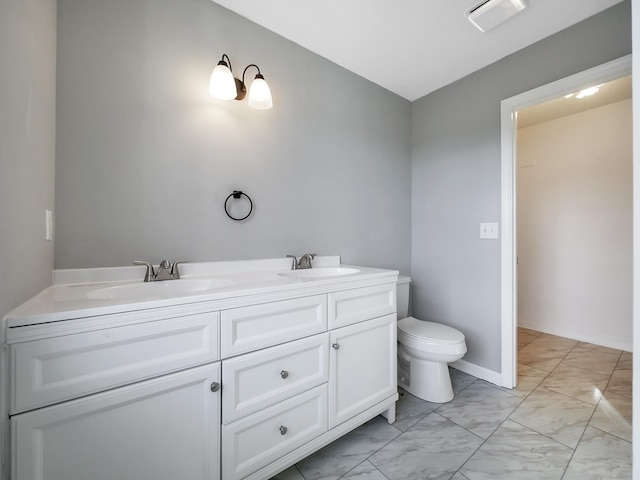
70 296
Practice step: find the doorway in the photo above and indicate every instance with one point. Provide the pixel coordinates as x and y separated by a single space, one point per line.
509 116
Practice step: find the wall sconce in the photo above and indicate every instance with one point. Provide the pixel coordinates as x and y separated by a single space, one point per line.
225 86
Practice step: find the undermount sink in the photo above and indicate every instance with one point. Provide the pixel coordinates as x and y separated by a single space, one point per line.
166 288
320 272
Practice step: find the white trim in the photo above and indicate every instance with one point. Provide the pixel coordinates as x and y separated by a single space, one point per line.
477 371
508 294
508 117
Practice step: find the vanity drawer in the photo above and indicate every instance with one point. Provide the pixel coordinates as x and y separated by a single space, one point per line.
57 369
259 379
259 439
250 328
353 306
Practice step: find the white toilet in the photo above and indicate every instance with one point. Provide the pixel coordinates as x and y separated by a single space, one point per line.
424 350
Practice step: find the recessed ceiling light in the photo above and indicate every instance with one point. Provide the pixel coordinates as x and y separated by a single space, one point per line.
587 92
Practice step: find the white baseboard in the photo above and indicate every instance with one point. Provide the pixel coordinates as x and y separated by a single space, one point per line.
478 372
617 343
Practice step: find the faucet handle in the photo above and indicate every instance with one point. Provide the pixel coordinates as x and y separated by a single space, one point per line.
164 265
305 260
174 268
148 276
294 265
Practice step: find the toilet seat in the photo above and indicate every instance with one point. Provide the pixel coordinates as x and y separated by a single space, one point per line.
430 336
429 331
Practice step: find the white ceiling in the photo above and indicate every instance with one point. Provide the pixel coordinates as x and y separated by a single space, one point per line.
410 47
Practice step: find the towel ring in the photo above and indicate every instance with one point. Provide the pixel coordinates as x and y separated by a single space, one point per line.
237 194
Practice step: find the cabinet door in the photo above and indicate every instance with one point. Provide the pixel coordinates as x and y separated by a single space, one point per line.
166 428
362 367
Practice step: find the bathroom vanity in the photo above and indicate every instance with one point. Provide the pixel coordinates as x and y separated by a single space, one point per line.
237 371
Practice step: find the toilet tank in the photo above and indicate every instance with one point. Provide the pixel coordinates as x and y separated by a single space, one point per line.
402 296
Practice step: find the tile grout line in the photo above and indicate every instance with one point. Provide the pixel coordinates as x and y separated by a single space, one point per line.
580 439
566 467
484 440
573 450
376 451
508 417
539 386
367 460
548 374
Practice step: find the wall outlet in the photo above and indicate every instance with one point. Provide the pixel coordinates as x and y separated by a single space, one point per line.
489 230
48 225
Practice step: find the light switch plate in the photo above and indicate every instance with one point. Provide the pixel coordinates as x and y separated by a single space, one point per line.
489 230
48 225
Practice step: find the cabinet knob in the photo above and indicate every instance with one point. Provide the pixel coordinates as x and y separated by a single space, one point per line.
284 374
215 386
335 346
283 430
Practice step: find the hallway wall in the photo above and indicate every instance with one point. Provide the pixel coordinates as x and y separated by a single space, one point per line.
574 211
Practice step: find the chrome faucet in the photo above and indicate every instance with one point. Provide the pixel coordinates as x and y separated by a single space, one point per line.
166 270
304 262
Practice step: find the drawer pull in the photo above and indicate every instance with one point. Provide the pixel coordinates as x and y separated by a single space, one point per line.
283 430
284 374
335 346
215 386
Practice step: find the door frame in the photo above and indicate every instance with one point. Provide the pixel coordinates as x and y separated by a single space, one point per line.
508 131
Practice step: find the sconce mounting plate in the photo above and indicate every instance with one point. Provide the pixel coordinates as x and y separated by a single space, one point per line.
241 89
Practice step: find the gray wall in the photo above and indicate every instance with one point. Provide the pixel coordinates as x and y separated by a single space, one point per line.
456 176
146 158
27 162
27 146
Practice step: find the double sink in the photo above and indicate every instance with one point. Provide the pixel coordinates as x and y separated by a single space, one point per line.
185 286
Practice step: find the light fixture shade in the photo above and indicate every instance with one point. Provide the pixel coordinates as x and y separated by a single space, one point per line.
222 84
260 94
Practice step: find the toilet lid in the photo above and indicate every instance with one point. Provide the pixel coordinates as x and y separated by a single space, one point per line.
421 329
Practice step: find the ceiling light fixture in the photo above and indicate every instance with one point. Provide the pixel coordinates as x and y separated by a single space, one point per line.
587 92
491 13
224 86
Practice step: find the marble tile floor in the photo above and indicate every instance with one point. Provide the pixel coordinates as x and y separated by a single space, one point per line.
569 418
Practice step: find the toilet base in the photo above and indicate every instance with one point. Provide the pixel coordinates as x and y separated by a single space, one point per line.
429 381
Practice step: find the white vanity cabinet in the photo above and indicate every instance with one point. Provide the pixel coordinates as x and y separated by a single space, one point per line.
236 386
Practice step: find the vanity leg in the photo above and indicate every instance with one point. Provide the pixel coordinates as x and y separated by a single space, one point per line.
390 413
